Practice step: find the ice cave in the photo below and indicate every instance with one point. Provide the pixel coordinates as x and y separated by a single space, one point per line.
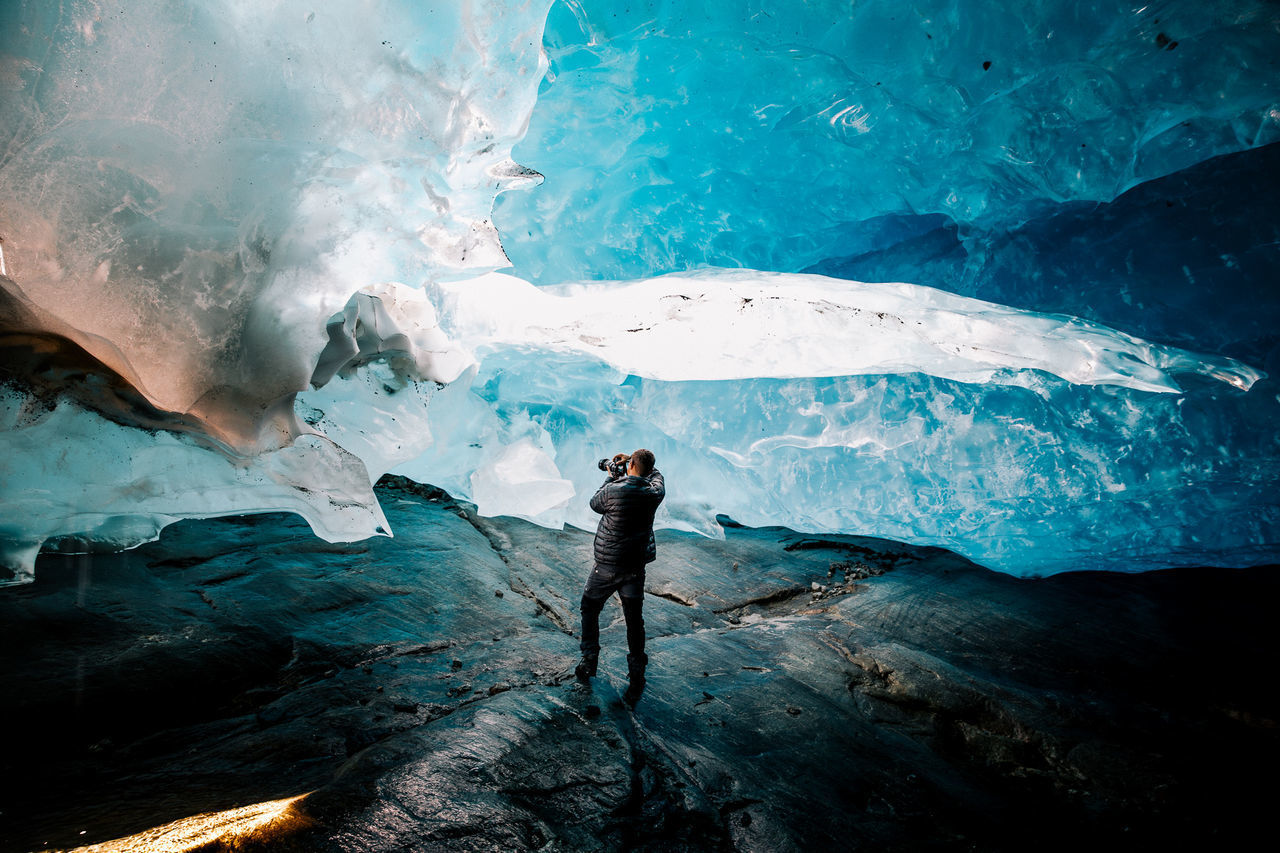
991 277
1005 287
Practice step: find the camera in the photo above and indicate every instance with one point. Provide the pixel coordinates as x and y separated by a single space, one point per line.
617 466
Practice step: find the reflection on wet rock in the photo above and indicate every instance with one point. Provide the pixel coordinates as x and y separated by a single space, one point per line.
803 693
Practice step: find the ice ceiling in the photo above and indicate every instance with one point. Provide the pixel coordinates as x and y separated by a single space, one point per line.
995 276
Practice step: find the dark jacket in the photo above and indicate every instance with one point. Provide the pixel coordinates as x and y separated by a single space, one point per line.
624 538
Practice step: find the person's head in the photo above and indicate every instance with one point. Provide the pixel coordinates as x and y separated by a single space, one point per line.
641 463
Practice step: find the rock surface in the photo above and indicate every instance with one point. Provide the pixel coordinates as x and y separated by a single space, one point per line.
804 693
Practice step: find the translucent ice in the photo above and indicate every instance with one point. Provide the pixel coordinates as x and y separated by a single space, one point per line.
192 192
204 185
774 136
523 481
1030 443
76 480
247 261
1040 477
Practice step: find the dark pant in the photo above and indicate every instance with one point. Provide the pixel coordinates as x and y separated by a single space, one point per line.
629 584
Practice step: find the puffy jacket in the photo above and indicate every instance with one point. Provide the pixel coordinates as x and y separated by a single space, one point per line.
624 537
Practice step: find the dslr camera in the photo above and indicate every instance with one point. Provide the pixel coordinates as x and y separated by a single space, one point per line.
617 466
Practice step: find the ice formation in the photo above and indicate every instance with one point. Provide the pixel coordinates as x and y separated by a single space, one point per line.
192 196
744 324
949 272
776 136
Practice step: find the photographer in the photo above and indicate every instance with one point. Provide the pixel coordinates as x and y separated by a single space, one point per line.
623 547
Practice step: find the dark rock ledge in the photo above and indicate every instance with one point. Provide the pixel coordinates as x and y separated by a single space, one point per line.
834 693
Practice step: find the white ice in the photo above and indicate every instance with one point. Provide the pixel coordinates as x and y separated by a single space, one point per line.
746 324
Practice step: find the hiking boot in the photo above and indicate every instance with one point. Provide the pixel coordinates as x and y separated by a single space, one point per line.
635 677
586 668
636 686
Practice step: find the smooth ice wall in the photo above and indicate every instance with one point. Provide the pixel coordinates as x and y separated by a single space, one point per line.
1062 157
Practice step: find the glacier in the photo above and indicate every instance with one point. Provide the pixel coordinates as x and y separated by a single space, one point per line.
990 278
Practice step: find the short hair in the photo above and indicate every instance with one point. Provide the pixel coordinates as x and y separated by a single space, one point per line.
643 460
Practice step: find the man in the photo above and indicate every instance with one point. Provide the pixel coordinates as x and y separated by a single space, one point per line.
623 547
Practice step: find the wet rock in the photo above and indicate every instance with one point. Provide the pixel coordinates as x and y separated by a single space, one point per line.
803 693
